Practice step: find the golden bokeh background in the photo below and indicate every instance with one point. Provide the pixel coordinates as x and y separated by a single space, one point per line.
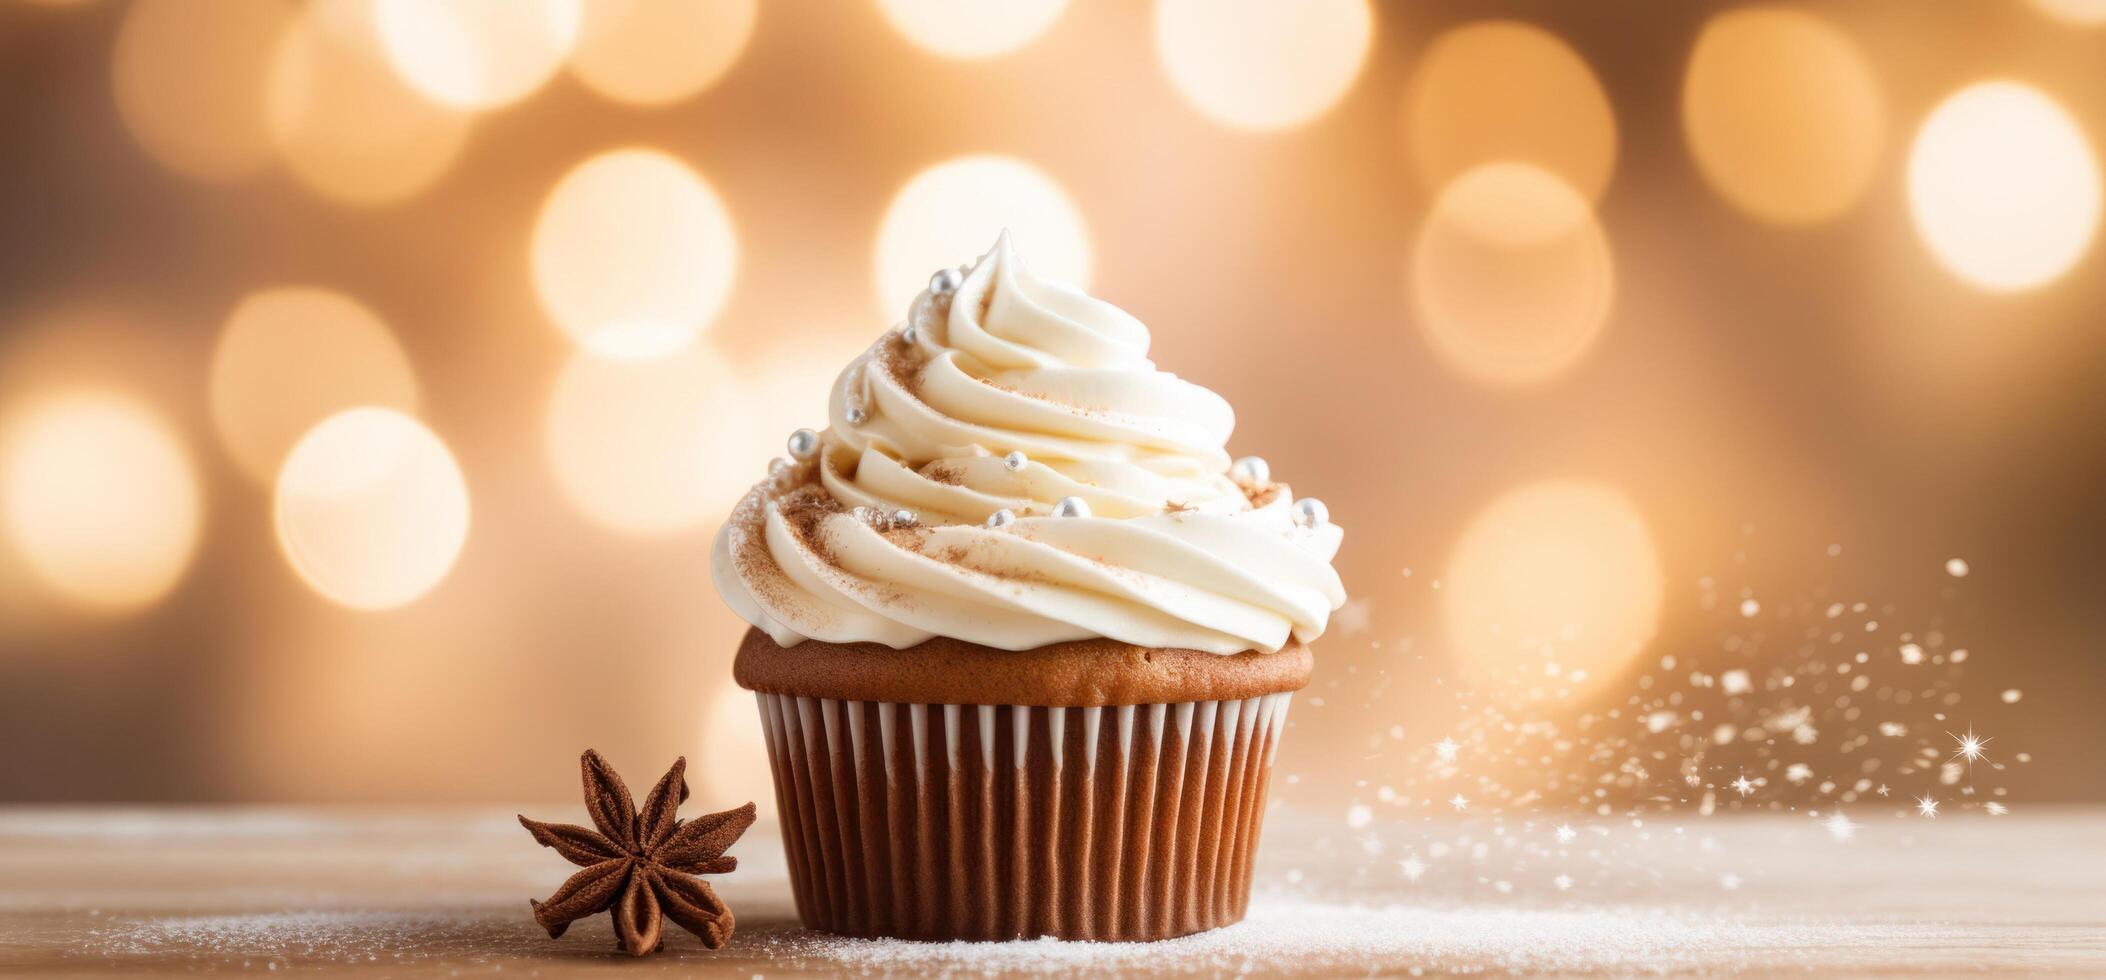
374 373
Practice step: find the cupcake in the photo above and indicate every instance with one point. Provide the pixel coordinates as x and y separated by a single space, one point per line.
1023 637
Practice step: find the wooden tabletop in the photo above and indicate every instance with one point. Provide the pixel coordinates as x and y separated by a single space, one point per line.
443 893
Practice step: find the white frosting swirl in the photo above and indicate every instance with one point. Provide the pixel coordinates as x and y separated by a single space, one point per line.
1173 553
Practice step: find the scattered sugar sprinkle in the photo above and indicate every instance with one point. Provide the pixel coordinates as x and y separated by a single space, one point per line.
309 936
1326 938
1803 704
1317 936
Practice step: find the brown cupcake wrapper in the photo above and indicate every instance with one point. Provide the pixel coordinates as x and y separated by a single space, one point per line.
932 821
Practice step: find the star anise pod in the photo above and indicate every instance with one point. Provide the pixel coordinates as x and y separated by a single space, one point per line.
641 861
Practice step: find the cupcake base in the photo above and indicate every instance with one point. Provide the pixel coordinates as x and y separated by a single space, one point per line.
988 822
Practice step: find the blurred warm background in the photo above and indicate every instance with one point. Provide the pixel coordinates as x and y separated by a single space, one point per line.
373 373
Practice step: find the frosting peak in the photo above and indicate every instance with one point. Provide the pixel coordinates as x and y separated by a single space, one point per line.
1009 318
1013 394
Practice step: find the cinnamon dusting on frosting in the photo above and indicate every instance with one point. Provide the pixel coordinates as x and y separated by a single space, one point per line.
902 362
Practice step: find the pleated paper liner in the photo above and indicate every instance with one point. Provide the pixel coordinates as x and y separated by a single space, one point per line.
997 822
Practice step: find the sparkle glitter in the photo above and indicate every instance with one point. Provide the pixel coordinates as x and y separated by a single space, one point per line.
1811 705
1970 746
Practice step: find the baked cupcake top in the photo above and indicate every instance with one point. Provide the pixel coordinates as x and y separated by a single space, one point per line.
1009 469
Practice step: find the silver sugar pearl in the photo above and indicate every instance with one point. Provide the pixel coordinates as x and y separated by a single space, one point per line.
778 466
1311 513
945 282
1071 507
911 335
855 415
1250 469
1015 461
904 518
1001 518
804 444
863 515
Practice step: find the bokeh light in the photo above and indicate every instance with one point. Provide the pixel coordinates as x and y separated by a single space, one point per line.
2081 13
1512 277
1506 90
477 54
293 356
969 29
650 447
738 754
1259 65
100 498
186 78
2003 186
1782 114
346 125
1557 574
651 52
951 212
371 508
633 253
